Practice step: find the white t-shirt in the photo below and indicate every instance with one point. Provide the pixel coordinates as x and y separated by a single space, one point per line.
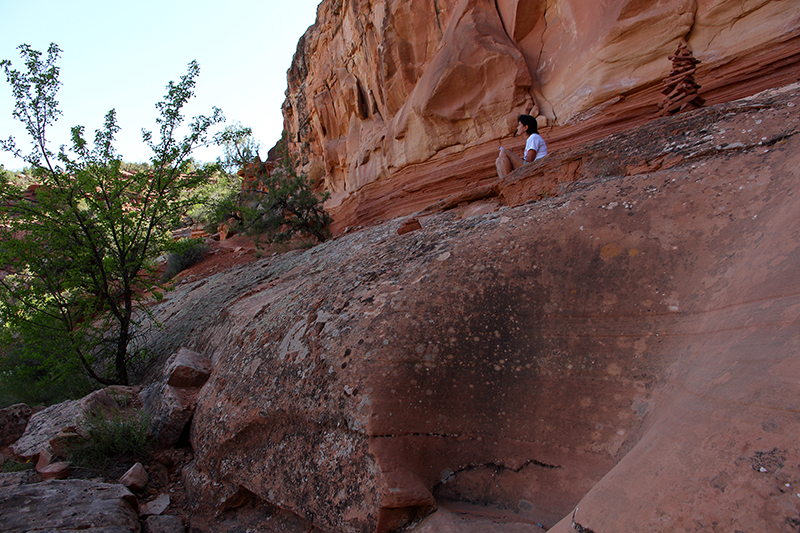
535 142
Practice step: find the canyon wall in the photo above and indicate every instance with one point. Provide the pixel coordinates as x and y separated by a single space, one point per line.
393 104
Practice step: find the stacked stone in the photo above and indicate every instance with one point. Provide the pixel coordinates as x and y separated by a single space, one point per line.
680 89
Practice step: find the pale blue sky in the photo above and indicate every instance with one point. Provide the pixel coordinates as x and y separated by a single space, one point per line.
121 54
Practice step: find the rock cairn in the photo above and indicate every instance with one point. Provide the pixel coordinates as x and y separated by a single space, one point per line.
680 88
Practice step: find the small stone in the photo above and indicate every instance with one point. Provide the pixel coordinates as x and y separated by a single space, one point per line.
408 226
135 478
163 524
155 506
58 470
44 459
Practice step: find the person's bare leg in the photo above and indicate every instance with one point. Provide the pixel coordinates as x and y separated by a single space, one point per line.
503 165
507 162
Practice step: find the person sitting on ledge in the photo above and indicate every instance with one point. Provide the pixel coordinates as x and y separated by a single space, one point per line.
535 148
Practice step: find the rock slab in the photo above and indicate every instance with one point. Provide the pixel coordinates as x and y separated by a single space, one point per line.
188 369
47 424
623 341
68 506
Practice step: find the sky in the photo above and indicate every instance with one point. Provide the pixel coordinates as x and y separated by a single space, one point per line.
121 55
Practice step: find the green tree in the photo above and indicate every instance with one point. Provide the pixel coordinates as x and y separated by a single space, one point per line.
281 203
6 174
239 147
217 200
78 259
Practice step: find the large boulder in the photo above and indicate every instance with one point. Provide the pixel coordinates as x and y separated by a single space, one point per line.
614 350
171 402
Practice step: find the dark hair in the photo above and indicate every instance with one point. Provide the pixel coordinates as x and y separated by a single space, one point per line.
530 123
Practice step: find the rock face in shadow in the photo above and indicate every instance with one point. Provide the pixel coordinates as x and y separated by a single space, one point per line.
392 102
613 350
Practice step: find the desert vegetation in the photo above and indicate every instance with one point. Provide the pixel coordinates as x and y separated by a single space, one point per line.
81 231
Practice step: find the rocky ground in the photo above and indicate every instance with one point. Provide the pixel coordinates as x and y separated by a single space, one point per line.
604 341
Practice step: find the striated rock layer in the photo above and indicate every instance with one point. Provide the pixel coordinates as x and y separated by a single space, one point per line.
392 102
621 355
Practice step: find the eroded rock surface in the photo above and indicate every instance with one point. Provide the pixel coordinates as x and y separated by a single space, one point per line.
13 420
396 103
67 506
615 349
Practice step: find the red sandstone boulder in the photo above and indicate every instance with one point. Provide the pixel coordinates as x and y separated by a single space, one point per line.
135 478
615 349
48 423
188 369
171 408
172 403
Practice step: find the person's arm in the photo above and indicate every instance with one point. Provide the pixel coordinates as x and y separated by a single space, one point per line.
530 156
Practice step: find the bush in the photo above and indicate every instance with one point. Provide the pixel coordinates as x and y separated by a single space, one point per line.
11 466
183 254
111 436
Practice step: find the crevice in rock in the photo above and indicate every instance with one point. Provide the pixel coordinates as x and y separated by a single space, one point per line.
550 106
184 440
581 529
693 10
578 528
499 16
500 467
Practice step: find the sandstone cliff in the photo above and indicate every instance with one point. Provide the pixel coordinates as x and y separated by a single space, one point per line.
396 103
619 357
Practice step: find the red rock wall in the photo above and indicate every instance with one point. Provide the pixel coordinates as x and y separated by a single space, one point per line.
387 99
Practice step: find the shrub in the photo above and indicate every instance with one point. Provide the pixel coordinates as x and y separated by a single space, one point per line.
11 466
216 201
283 205
111 436
183 254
